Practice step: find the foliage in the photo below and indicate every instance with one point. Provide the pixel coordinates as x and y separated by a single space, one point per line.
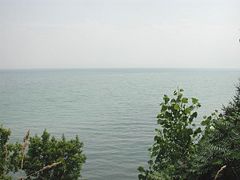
46 157
181 153
176 138
9 154
220 144
44 151
233 108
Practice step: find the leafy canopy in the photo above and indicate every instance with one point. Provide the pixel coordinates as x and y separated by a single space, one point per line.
9 154
175 139
46 157
182 151
46 150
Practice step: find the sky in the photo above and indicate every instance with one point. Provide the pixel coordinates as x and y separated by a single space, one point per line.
119 34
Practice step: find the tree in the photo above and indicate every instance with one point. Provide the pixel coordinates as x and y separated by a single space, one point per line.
45 157
65 155
220 144
180 151
175 139
9 154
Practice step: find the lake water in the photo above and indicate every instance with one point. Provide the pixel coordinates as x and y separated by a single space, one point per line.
112 110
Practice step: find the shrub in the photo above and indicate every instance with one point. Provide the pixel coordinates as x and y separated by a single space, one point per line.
45 157
9 154
175 139
220 144
181 151
65 155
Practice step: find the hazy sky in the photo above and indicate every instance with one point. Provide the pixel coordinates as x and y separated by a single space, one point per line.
119 33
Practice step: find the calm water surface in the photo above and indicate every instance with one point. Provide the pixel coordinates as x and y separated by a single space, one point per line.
112 110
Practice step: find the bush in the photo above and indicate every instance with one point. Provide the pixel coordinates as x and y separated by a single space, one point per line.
66 154
220 144
9 154
176 138
180 151
45 157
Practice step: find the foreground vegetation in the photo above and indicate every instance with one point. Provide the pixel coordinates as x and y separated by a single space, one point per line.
182 151
42 157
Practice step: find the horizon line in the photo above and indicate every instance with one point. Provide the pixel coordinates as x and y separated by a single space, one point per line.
119 68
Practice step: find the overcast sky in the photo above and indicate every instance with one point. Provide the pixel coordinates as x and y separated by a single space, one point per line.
119 33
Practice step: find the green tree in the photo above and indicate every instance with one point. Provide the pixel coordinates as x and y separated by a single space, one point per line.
45 157
179 152
175 139
49 158
220 145
9 154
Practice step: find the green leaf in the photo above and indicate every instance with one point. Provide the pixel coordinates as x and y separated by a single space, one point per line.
197 131
175 93
206 122
194 100
194 115
163 108
187 110
166 99
176 107
179 96
185 100
190 131
141 169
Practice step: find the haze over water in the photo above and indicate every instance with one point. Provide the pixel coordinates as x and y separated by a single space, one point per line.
112 110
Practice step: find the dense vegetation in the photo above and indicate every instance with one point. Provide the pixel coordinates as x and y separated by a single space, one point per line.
42 157
9 154
182 151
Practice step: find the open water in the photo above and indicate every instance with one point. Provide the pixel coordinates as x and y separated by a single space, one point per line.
112 110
